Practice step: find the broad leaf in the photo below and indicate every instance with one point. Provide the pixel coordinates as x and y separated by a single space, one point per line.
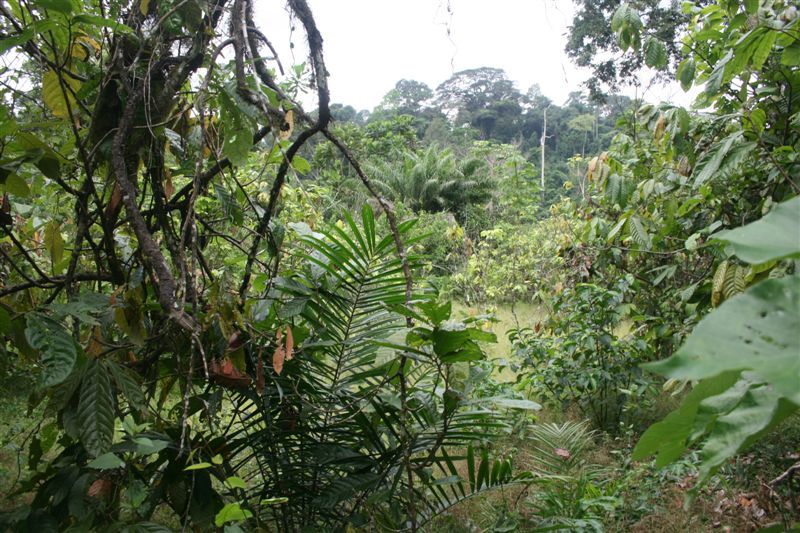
655 54
756 331
96 409
774 236
232 512
106 461
57 93
56 346
669 438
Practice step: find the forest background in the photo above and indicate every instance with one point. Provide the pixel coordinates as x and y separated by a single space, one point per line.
219 310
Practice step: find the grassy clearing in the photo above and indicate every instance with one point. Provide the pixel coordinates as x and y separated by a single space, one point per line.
521 315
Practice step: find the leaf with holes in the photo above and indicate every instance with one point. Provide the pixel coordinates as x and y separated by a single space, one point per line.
755 330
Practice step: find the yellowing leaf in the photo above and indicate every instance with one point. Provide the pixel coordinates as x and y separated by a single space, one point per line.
54 242
144 7
54 95
83 47
288 126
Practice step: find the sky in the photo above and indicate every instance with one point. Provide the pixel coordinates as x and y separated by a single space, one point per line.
371 44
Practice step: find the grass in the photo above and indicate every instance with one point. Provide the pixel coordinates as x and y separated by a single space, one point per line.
521 315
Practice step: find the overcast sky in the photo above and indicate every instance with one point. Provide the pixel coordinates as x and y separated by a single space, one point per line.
371 44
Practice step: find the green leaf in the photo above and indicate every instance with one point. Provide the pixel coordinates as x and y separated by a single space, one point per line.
758 118
458 345
145 446
17 40
685 74
759 410
54 243
235 483
96 409
791 55
238 135
774 236
100 22
232 512
717 76
763 47
639 234
56 346
197 466
301 165
17 186
711 162
230 206
755 330
61 6
107 461
627 24
53 93
669 438
655 54
127 383
436 312
5 321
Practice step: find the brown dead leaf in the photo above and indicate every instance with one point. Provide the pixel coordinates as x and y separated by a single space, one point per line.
169 187
289 344
95 346
100 489
277 359
660 125
562 453
224 373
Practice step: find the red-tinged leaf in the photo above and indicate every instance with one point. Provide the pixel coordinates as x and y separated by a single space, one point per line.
277 359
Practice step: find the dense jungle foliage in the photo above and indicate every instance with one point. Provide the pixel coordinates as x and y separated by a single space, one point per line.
468 309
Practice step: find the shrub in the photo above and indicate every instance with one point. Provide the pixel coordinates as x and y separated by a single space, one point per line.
578 359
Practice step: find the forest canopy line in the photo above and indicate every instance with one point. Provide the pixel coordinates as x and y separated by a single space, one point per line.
468 309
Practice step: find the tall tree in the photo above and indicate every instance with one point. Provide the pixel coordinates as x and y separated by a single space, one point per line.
594 40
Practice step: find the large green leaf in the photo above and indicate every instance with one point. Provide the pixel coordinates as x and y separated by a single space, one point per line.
127 383
655 54
757 411
96 409
756 330
774 236
669 438
56 346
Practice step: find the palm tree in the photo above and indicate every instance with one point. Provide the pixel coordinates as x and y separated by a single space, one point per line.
434 181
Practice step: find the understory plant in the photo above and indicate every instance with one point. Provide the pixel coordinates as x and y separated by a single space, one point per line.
580 357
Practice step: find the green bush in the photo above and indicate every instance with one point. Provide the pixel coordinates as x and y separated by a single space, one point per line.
511 262
577 358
